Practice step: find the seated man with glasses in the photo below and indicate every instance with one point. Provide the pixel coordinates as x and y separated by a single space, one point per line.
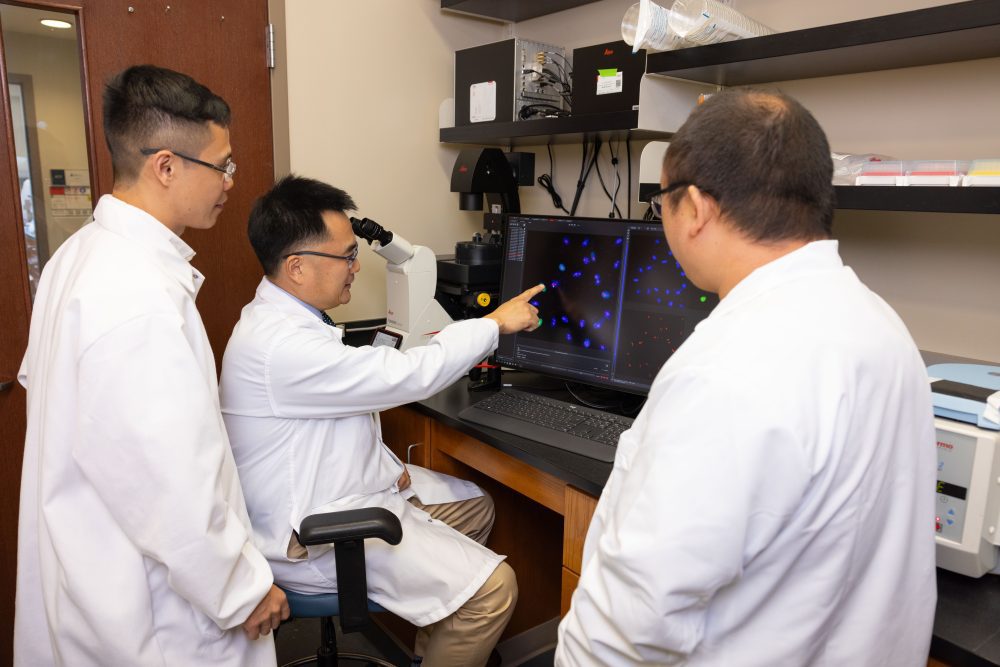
301 410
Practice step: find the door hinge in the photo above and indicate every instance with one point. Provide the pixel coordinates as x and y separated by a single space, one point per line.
269 45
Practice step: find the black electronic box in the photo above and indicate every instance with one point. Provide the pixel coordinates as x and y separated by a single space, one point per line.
606 78
493 82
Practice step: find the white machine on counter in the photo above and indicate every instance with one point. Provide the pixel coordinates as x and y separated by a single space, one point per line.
967 516
413 315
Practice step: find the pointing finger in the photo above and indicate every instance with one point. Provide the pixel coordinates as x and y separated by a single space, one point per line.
528 293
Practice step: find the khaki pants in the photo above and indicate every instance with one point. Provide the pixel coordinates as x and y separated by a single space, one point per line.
466 637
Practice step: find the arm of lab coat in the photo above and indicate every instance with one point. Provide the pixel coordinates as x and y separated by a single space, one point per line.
320 378
153 447
683 511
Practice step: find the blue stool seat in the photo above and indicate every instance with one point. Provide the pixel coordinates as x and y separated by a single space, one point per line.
305 605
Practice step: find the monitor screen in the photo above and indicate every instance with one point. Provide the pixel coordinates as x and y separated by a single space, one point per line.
617 303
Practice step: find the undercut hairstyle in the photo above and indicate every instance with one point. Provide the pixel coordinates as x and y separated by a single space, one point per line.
290 216
763 157
151 107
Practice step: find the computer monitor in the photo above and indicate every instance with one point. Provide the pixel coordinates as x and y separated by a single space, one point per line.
617 303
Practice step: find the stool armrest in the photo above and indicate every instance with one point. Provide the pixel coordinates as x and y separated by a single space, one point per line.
350 525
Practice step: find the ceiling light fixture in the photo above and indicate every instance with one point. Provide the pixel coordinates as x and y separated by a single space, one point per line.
55 23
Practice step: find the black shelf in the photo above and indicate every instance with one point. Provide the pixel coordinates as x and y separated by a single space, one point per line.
919 198
949 33
511 10
538 131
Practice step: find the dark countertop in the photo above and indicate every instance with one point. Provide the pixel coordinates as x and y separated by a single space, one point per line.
582 472
967 622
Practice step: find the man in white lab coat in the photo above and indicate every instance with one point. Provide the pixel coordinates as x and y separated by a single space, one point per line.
773 502
134 544
301 410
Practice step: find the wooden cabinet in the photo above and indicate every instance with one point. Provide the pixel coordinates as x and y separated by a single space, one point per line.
541 521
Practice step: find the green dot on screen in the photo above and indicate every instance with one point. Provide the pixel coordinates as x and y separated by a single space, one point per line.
704 299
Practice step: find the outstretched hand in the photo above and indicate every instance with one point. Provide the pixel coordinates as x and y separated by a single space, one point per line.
518 314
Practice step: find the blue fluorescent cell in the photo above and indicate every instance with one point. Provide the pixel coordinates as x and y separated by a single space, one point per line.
583 323
605 294
597 280
638 291
593 256
663 261
654 258
635 280
586 260
607 313
670 303
586 242
562 267
618 241
577 274
659 300
670 253
640 269
565 240
618 263
555 284
649 268
657 242
597 324
649 290
553 321
683 275
565 319
586 342
569 336
536 303
684 285
603 348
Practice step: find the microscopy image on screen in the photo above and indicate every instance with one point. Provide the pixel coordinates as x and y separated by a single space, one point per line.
647 339
659 311
581 273
655 278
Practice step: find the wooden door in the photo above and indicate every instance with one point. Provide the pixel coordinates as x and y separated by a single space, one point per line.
221 44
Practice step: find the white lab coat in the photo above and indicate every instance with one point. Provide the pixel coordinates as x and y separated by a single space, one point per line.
772 503
134 542
299 407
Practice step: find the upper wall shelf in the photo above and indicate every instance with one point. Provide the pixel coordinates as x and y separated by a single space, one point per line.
948 33
538 131
511 10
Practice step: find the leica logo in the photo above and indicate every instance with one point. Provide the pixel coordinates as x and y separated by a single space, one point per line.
608 52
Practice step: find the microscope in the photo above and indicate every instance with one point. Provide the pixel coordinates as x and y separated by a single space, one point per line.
469 281
413 315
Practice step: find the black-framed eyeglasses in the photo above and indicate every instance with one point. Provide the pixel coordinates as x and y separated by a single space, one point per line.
228 168
347 258
656 199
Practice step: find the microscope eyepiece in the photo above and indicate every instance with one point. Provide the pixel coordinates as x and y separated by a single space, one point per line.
370 231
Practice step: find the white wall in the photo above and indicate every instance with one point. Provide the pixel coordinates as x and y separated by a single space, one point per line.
348 126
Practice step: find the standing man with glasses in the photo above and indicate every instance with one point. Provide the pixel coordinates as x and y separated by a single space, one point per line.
134 544
772 502
301 409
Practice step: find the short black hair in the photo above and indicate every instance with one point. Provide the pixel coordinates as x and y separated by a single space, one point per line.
152 107
291 214
764 158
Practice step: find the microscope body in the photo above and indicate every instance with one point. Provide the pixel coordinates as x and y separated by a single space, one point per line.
411 309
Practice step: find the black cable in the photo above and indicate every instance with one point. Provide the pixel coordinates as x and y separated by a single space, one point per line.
544 110
547 181
614 206
584 173
628 161
618 177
